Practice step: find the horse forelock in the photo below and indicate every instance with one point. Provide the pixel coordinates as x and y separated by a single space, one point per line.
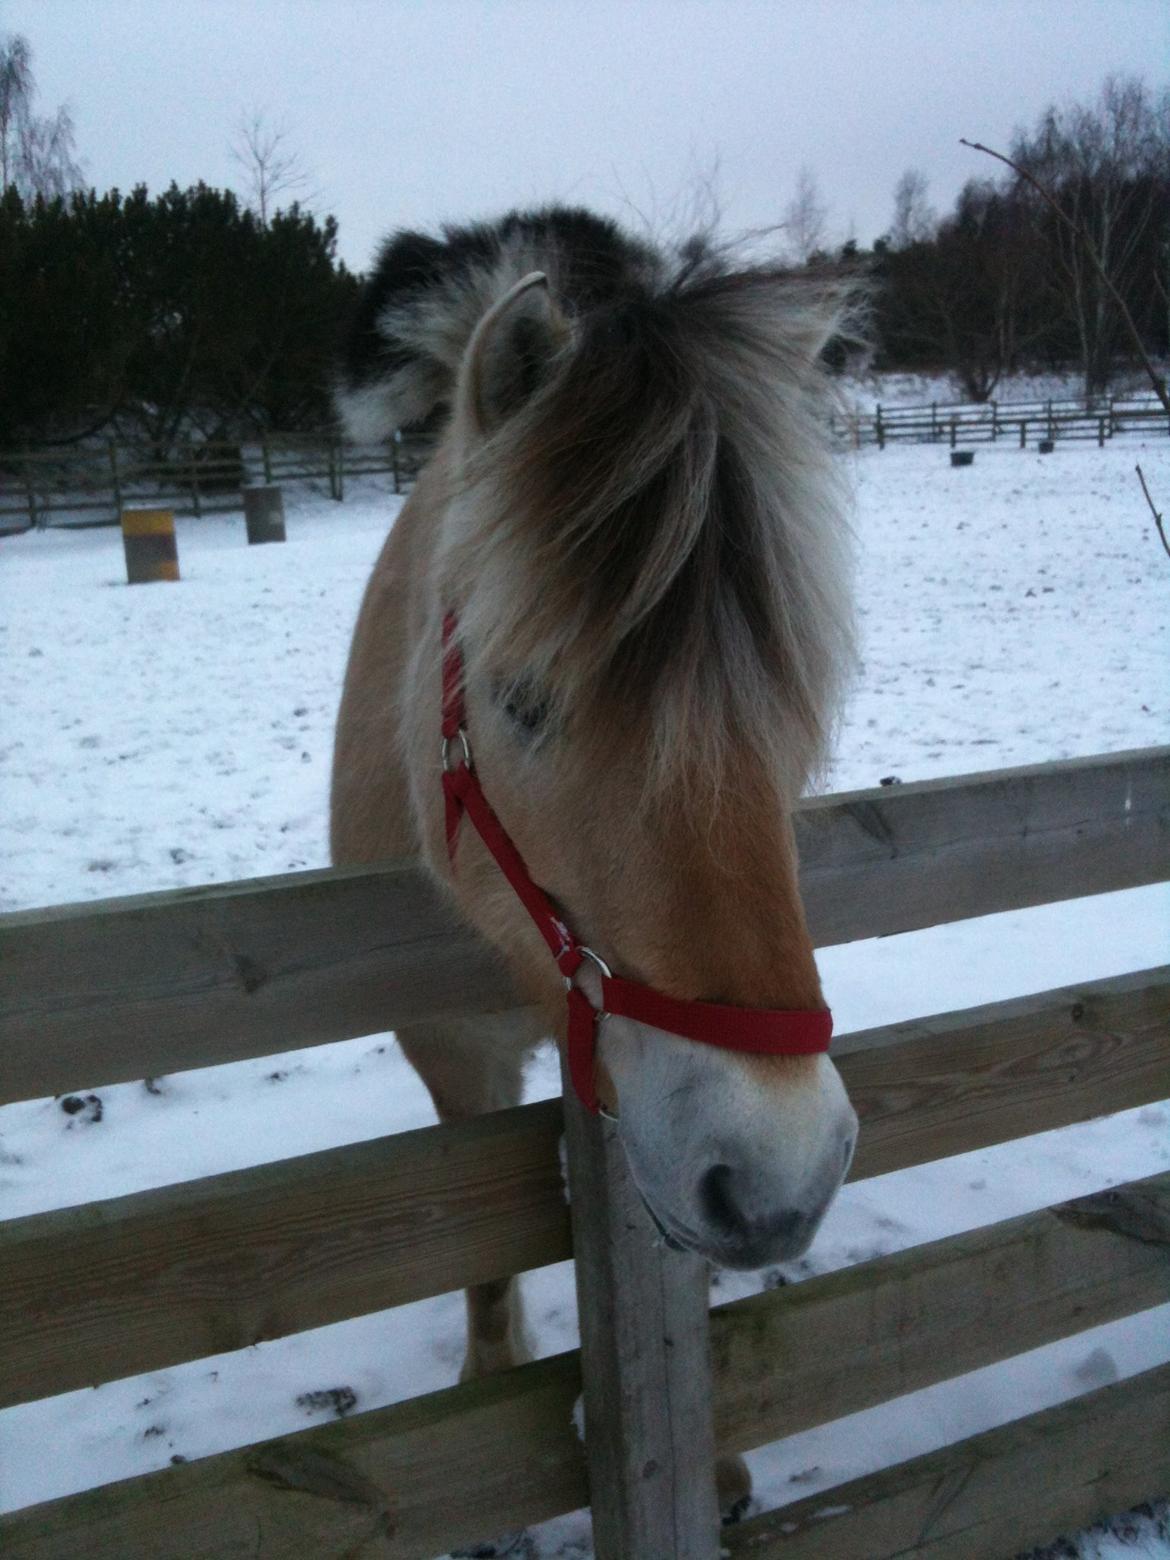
659 536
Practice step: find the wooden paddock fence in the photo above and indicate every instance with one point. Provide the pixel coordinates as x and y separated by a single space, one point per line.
87 486
142 986
1095 418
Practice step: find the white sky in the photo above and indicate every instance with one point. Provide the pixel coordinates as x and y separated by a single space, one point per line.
410 112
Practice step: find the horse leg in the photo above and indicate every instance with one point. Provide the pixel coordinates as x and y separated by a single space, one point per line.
472 1066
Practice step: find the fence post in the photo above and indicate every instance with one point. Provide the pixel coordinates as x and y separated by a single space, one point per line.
878 428
1023 432
649 1433
116 474
196 496
264 514
30 488
266 457
934 422
954 432
995 422
1100 433
148 536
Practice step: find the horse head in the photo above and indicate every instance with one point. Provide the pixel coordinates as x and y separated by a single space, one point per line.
633 513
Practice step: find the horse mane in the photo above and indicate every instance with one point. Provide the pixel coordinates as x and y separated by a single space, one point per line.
657 535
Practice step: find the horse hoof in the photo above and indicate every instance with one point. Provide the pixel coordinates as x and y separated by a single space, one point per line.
733 1485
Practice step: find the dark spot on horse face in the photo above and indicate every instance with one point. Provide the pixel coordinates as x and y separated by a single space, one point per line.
526 707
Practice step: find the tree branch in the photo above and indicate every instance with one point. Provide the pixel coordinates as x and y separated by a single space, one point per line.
1153 511
1090 250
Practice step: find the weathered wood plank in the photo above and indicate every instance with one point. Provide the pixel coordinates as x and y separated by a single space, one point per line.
793 1357
407 1481
135 1283
959 1081
903 857
156 983
992 1495
172 1274
649 1434
153 984
502 1452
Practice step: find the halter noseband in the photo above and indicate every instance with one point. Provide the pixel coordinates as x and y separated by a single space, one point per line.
764 1031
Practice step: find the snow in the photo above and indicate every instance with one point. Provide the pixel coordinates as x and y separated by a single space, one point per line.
170 735
865 392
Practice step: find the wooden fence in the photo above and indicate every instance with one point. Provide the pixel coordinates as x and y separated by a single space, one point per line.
986 422
87 486
136 987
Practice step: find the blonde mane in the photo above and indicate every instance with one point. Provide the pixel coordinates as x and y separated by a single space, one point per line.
657 534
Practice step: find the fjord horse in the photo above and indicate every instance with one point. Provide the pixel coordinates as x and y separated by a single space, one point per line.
631 523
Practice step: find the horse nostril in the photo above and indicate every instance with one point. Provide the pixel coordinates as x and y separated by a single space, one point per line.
715 1198
721 1201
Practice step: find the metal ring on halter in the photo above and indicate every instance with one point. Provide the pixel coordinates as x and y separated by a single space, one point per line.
588 953
461 737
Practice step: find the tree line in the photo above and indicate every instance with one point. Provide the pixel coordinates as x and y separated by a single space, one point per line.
164 317
190 313
195 313
1007 280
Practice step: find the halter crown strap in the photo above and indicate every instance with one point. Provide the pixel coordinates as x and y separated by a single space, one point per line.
763 1031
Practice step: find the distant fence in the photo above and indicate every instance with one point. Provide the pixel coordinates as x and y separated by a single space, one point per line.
79 486
88 485
1098 419
141 986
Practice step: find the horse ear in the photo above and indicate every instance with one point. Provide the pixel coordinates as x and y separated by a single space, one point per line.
510 353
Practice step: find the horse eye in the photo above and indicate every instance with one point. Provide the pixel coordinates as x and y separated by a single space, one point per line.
525 705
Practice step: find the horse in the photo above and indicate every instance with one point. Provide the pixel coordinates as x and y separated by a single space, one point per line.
631 521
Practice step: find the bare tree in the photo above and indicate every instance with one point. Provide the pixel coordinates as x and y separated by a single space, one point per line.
1104 165
1077 230
1079 233
914 218
805 218
36 151
271 165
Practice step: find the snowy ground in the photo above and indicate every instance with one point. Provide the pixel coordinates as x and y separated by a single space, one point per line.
867 391
1012 612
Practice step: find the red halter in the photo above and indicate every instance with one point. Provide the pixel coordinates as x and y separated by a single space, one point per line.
766 1031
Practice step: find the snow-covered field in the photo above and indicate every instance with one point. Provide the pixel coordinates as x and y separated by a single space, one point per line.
1012 612
866 391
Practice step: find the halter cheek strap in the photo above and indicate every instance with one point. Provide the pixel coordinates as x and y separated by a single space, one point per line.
763 1031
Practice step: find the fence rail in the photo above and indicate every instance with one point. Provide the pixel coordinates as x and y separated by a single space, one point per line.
233 1260
160 982
109 992
87 486
991 1495
1098 418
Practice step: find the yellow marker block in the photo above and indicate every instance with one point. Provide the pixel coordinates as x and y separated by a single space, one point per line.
152 552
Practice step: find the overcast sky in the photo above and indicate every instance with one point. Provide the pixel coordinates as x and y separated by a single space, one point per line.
419 111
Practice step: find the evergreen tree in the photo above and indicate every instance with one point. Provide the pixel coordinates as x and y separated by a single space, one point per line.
165 316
